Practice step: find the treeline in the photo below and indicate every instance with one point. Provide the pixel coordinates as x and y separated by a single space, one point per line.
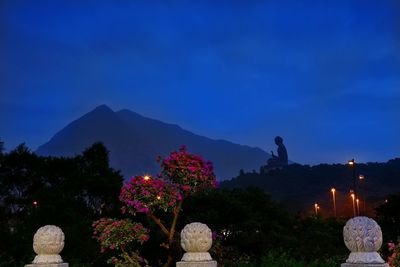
68 192
249 226
298 187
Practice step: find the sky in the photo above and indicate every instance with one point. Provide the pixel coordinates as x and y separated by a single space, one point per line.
324 75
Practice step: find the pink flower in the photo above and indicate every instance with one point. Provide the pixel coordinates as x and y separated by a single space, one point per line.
144 238
185 187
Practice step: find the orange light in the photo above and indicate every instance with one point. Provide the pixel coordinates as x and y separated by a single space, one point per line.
351 162
146 177
361 177
35 203
333 190
354 204
316 208
358 206
158 197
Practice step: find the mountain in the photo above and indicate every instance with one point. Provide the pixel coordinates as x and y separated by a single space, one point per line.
135 141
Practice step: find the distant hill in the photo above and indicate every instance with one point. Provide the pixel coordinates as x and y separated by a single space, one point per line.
135 141
298 187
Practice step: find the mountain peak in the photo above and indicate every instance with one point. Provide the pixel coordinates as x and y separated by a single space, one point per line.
103 108
135 141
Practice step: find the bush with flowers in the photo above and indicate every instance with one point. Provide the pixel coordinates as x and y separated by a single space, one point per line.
394 258
182 174
120 235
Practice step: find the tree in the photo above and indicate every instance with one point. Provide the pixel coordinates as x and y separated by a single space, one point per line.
68 192
182 175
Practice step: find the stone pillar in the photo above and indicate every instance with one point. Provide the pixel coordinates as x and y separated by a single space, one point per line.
48 242
196 240
363 237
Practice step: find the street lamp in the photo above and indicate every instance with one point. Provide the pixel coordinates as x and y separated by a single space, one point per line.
316 208
362 190
352 164
353 197
333 190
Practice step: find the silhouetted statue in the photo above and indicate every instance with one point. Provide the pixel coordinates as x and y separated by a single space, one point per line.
282 158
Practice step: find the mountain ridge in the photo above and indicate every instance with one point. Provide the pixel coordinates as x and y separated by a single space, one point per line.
134 142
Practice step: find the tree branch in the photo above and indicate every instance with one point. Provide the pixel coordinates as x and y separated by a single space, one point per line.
159 223
172 231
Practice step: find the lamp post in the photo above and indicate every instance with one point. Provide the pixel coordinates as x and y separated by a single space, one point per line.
353 198
316 208
333 190
361 179
352 164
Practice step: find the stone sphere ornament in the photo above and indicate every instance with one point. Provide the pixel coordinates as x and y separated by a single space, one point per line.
196 240
363 237
48 242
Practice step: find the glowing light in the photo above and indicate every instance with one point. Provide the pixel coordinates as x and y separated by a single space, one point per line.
353 196
146 177
333 190
316 208
158 197
358 206
361 177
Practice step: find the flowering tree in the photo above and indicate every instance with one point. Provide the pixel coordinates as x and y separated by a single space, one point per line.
119 235
182 174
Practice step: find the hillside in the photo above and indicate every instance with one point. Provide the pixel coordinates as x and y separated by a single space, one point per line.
135 141
298 187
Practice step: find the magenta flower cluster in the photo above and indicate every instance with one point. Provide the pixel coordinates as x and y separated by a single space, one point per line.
145 194
118 234
190 172
182 174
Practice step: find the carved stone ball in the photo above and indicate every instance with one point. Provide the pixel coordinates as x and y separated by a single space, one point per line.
196 237
48 242
362 234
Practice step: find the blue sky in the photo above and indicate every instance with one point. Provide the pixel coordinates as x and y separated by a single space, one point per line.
325 75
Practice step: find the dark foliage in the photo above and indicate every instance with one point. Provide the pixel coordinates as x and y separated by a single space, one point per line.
298 187
68 192
249 224
388 216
